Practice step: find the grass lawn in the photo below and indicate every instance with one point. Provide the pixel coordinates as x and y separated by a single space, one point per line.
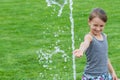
35 44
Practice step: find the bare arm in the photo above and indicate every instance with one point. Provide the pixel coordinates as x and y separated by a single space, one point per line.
83 46
112 71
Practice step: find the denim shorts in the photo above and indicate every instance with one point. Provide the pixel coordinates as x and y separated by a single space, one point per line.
104 76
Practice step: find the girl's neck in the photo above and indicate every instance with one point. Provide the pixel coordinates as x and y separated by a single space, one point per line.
97 36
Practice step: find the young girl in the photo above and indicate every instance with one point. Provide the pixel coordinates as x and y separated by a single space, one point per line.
98 66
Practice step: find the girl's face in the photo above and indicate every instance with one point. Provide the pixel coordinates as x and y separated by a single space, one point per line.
96 26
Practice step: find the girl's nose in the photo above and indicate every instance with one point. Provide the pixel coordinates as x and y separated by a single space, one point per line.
98 29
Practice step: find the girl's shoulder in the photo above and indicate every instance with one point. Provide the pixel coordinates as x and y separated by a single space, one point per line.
104 34
88 37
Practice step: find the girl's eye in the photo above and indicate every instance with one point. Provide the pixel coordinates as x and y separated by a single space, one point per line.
101 25
95 25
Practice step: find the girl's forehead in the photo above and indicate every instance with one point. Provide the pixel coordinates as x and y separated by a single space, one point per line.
97 21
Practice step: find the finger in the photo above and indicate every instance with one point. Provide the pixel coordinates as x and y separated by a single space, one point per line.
76 51
79 55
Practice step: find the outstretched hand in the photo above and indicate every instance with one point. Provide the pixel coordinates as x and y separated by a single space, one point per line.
78 53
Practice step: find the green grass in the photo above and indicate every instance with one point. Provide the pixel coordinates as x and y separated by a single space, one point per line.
27 26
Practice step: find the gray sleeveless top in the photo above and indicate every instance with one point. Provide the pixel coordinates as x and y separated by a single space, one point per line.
97 56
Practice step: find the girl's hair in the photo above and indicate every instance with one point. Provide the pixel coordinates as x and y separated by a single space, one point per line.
97 12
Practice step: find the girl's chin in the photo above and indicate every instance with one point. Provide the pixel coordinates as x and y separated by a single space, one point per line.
96 33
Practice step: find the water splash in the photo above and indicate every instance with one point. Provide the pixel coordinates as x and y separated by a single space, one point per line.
60 3
45 57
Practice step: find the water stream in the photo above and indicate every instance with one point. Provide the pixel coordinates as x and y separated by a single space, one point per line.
72 32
